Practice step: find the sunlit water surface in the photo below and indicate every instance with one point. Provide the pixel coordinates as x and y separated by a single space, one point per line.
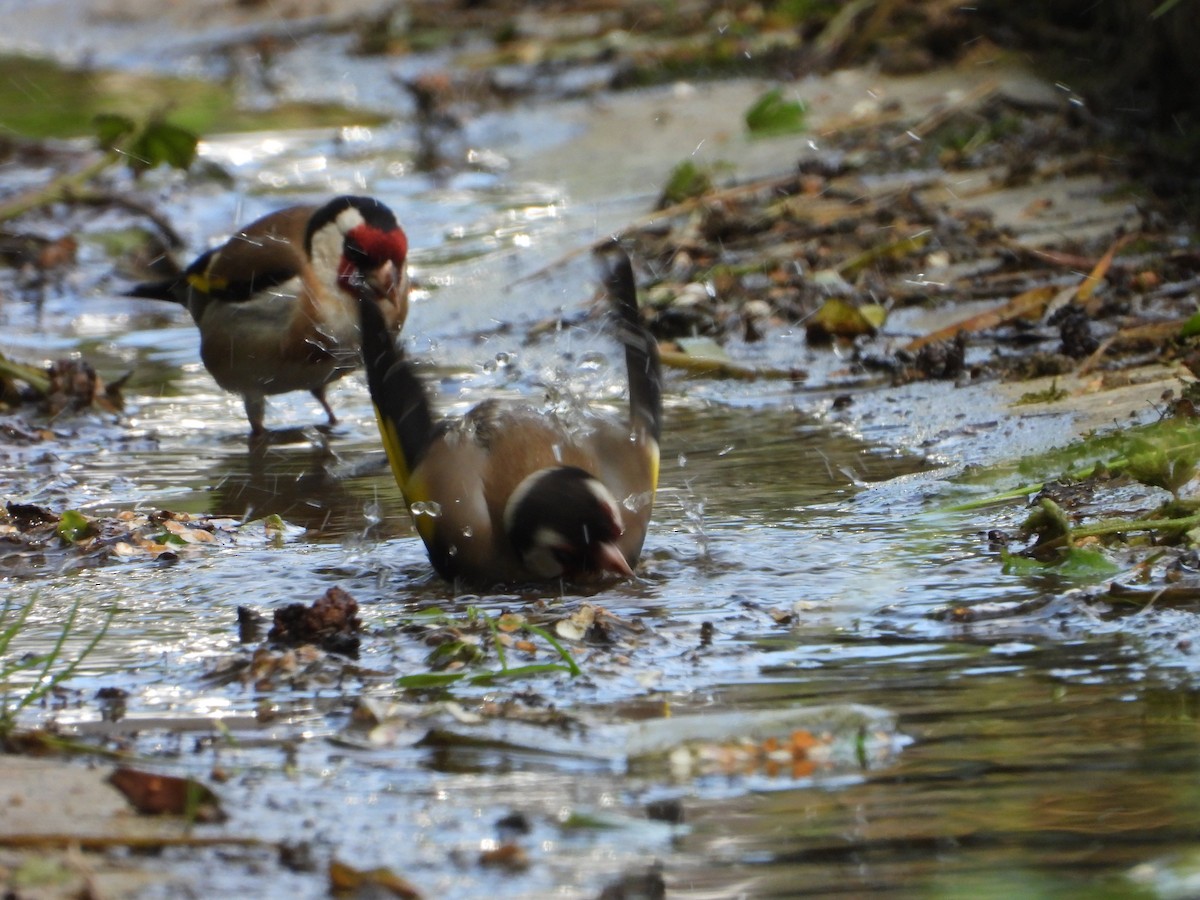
1043 754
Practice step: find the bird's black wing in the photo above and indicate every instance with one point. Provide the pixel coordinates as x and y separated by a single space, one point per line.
205 280
401 405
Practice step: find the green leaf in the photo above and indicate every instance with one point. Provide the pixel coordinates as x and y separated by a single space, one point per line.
1077 564
1191 327
451 652
772 114
585 821
703 348
161 143
112 129
687 180
74 526
516 672
428 680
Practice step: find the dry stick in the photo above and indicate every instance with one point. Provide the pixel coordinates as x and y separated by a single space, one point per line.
1051 257
720 368
940 116
1024 304
101 198
1093 279
60 188
1028 302
1146 331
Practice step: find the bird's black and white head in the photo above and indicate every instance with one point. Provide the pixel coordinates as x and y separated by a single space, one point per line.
562 522
359 239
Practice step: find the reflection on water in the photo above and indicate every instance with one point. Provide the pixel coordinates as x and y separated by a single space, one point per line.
1035 771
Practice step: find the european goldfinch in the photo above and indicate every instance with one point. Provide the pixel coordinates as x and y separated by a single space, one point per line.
509 494
276 304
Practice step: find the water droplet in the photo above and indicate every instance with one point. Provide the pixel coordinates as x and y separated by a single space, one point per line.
452 551
426 508
726 450
682 460
372 513
635 502
557 451
468 531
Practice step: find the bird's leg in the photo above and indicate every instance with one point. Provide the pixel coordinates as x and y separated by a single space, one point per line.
256 408
319 393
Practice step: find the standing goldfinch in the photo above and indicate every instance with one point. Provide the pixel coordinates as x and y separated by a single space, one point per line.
510 494
276 304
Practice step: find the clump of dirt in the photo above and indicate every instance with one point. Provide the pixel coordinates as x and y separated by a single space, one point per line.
331 622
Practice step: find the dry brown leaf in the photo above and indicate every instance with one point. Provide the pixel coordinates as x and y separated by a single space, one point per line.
347 880
156 795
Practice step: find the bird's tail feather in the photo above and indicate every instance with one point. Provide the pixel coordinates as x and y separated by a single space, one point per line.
401 405
641 349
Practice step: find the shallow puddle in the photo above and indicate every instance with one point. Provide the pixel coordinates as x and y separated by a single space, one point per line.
792 563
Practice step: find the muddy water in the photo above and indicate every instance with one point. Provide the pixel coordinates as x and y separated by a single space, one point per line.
1040 753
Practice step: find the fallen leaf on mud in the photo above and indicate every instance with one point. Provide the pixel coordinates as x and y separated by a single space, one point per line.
703 348
839 319
74 526
159 535
575 626
156 795
506 856
345 880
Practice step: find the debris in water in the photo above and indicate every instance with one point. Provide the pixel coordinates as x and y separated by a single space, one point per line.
331 623
167 795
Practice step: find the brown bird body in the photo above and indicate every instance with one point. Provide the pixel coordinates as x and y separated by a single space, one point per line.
274 304
510 494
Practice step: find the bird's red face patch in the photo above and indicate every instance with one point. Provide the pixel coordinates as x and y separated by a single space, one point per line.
366 249
380 246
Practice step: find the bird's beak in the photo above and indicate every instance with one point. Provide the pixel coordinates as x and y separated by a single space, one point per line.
609 558
383 280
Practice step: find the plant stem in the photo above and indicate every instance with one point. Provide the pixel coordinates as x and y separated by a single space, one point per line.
61 188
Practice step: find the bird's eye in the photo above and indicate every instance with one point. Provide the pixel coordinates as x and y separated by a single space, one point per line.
354 253
567 557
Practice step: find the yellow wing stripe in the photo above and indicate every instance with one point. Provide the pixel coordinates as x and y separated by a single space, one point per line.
413 490
206 285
